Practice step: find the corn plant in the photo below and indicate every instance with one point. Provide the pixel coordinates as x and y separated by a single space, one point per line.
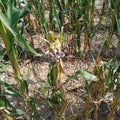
9 17
51 15
117 28
42 17
112 84
115 13
108 81
111 7
58 95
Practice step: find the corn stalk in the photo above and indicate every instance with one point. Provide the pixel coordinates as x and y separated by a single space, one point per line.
9 16
115 103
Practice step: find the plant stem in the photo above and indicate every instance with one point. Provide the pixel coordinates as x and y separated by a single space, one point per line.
9 44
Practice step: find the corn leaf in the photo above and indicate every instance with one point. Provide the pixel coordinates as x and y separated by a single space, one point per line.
2 105
19 38
85 75
14 92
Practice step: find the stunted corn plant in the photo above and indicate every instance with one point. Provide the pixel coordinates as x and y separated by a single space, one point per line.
58 95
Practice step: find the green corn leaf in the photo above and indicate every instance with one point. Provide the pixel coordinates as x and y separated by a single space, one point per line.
117 26
12 11
7 23
52 76
55 17
85 75
57 21
24 86
8 94
78 34
80 14
51 36
118 69
56 98
67 10
2 105
59 5
22 40
23 14
54 71
45 91
3 5
2 70
14 32
19 112
2 55
43 19
93 4
8 87
51 11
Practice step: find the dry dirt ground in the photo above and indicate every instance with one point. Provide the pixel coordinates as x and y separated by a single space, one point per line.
35 72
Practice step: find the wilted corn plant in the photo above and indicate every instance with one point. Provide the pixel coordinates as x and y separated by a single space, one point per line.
111 76
9 17
57 94
95 91
108 82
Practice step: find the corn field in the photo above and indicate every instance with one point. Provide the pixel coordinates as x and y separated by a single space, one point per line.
59 60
